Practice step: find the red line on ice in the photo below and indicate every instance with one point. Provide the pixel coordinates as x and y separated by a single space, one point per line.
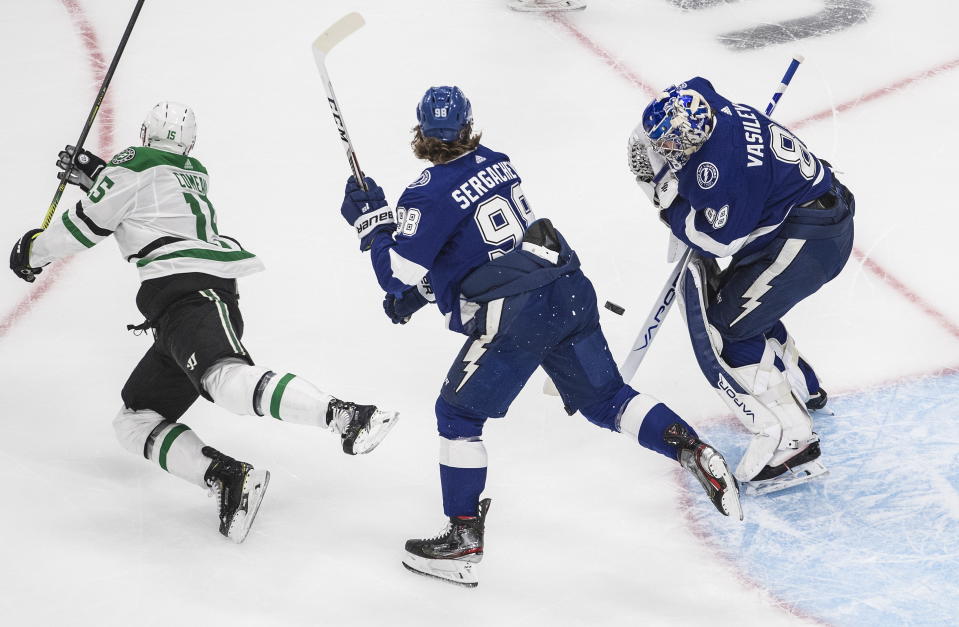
869 264
98 66
904 291
878 93
607 58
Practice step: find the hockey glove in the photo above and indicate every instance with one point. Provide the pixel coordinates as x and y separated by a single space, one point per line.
645 163
20 257
86 167
367 211
401 309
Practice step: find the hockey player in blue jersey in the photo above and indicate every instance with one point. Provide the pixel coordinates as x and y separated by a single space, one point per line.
513 286
741 185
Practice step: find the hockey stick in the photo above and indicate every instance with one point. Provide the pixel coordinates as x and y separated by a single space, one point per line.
668 294
343 28
93 114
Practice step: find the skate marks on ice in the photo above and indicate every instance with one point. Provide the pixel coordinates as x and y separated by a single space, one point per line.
835 16
874 542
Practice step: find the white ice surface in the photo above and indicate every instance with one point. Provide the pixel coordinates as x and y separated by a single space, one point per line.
585 528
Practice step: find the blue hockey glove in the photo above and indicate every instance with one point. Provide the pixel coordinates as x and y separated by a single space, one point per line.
20 257
367 211
401 309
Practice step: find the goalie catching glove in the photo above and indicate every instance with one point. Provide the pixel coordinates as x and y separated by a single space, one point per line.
644 163
85 167
367 211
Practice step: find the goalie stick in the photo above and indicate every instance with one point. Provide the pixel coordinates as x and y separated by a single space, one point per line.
93 115
328 39
667 295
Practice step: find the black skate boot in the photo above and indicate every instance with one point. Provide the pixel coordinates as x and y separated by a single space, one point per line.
450 555
802 467
239 489
708 466
361 427
817 401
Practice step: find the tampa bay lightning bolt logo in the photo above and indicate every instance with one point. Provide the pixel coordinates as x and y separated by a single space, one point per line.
707 174
420 182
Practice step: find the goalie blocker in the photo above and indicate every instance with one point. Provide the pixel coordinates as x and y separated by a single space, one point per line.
784 450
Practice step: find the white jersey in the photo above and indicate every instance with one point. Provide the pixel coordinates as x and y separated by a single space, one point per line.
155 203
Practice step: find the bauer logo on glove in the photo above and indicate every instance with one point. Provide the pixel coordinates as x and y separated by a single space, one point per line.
369 221
366 210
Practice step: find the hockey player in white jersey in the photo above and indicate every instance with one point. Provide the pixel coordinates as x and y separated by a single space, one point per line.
153 199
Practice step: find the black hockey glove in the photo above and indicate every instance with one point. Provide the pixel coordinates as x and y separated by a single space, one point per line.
86 167
20 257
401 309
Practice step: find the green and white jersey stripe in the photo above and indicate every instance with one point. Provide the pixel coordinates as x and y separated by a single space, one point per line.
228 330
156 203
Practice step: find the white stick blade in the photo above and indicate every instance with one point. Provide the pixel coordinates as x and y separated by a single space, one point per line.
343 28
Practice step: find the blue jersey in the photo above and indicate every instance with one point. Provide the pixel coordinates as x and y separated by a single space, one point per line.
739 187
454 218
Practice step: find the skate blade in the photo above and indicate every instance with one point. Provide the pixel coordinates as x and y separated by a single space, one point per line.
526 8
256 483
731 504
381 422
455 572
795 476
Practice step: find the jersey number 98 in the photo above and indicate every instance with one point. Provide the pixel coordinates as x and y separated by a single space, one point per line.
502 221
790 150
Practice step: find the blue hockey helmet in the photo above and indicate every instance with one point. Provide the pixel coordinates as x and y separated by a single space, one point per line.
443 112
677 122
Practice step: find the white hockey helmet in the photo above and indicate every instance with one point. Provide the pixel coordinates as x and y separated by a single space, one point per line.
169 126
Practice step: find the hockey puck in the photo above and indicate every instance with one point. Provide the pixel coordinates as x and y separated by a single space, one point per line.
616 309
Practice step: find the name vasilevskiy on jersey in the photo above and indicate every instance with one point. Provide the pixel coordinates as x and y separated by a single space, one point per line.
753 134
485 180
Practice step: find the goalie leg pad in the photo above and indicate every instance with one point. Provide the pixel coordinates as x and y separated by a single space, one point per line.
758 394
800 373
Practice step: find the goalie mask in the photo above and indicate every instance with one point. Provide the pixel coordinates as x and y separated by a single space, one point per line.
678 122
443 113
169 126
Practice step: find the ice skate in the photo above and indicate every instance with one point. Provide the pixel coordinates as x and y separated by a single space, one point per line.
361 427
710 469
817 403
239 489
451 554
804 466
543 6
